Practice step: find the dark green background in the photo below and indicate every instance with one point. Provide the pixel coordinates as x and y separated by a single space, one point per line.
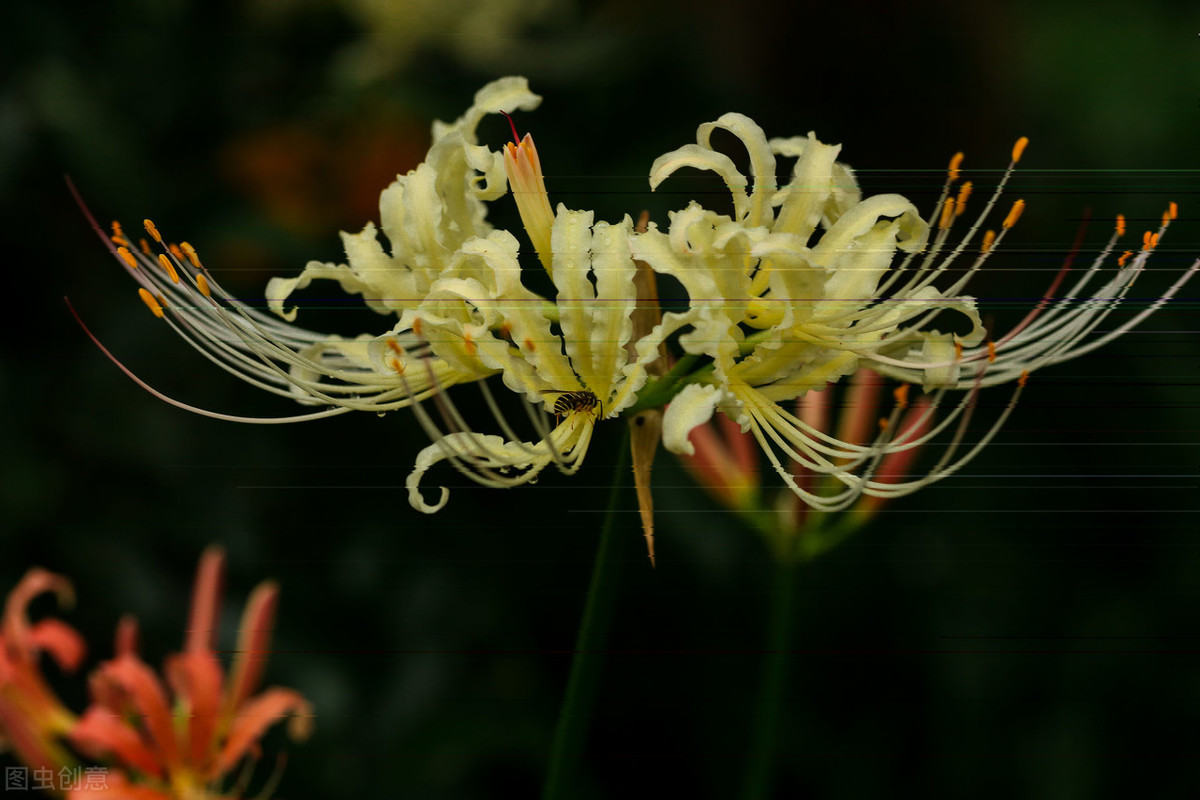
1026 629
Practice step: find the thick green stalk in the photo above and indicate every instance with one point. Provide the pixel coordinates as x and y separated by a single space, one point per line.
759 777
576 710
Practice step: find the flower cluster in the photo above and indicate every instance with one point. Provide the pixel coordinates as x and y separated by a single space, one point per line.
159 745
802 285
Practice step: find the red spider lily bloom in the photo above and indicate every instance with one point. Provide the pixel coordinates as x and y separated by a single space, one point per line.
32 718
186 748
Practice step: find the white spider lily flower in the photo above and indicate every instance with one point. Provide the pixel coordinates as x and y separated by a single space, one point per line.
427 215
573 357
783 309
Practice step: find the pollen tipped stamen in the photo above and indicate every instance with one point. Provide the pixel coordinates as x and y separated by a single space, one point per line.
1019 148
1014 214
153 231
168 267
955 162
151 303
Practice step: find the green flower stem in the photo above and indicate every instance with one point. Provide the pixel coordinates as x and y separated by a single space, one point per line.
576 711
760 765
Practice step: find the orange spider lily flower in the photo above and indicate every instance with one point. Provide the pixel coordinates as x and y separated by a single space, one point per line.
186 748
32 718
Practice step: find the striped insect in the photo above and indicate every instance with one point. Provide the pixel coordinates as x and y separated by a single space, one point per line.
569 402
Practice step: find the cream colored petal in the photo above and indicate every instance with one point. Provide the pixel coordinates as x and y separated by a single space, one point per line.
280 289
503 95
762 163
820 189
521 309
912 231
693 155
690 408
612 314
571 244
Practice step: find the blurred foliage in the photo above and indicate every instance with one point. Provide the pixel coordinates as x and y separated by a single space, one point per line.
1019 630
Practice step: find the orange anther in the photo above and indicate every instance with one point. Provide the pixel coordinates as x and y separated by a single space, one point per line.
955 162
1014 214
1149 240
901 395
1173 210
144 246
191 254
417 325
957 350
175 251
1024 379
116 228
1019 148
127 257
169 267
469 344
1124 257
947 214
991 346
988 239
397 365
119 240
202 285
395 347
883 424
963 193
528 344
1120 224
153 231
151 303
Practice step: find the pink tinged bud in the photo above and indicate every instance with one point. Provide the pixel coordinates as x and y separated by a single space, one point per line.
813 410
528 189
894 467
857 421
720 464
742 447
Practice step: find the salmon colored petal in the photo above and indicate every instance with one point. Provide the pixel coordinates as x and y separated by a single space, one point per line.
125 642
149 700
253 719
100 733
206 600
196 678
118 788
60 640
15 626
20 736
253 646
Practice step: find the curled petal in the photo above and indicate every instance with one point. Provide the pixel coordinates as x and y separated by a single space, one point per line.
60 640
254 717
689 409
15 625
